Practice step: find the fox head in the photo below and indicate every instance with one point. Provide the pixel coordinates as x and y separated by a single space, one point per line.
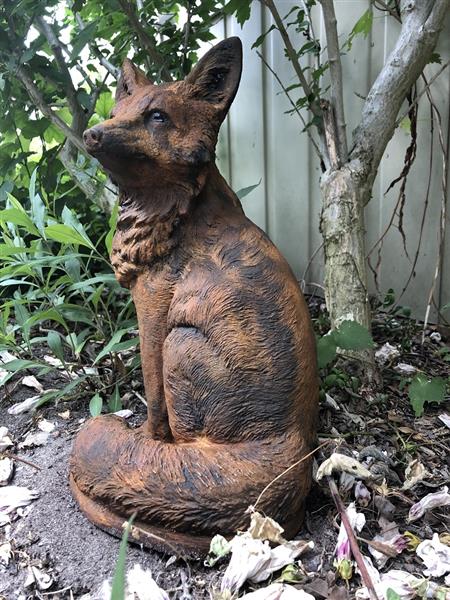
160 136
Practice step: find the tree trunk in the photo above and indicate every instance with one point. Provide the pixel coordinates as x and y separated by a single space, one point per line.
344 195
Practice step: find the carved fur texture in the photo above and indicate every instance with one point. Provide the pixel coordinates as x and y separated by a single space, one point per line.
228 353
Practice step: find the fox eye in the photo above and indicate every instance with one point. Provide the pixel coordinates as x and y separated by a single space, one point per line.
156 116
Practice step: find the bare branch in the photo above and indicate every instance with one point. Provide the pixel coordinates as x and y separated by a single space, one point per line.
422 92
329 124
422 21
115 72
337 96
292 55
78 114
295 107
94 190
38 98
145 40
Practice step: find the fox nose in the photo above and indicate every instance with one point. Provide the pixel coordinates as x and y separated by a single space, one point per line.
92 137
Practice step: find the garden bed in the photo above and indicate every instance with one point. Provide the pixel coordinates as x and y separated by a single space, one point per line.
376 427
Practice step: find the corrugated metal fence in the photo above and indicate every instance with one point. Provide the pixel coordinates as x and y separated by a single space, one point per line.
261 142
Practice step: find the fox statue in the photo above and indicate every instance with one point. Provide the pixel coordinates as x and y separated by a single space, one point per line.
228 352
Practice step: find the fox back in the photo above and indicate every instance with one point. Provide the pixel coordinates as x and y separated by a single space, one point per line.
228 352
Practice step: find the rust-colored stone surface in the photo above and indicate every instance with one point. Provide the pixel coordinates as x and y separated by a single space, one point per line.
228 352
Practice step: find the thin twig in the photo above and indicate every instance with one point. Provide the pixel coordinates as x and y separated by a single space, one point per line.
314 254
115 72
145 40
337 94
424 213
422 92
20 459
38 98
325 443
76 109
292 55
352 540
443 214
294 106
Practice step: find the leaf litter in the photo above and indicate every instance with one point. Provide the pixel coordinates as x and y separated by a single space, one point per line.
385 461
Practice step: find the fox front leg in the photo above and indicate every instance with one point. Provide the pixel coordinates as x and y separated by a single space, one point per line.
152 300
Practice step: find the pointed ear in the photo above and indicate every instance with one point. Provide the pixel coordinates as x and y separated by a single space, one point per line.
130 79
215 78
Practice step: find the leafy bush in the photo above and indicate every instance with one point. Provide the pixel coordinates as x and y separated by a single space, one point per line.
58 291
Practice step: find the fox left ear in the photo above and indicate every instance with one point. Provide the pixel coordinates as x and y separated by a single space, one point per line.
215 78
130 79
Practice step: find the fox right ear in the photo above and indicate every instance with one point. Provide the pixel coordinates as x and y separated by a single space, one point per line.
215 78
130 79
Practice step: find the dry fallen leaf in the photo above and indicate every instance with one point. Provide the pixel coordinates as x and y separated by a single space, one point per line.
32 382
141 585
13 497
35 438
255 560
341 462
20 407
414 473
39 577
405 369
5 553
265 528
5 440
64 415
6 470
46 426
278 591
386 352
435 555
429 502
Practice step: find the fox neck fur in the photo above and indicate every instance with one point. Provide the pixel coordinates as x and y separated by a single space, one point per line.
150 223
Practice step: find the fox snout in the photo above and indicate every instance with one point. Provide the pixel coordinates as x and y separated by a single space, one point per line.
92 138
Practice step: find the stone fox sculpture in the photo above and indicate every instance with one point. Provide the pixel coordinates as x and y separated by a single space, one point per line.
228 352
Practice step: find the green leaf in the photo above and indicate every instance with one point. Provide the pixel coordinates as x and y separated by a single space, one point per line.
290 574
55 344
62 392
112 227
104 104
115 402
364 24
240 8
106 278
111 345
423 390
350 335
13 215
259 40
85 35
326 350
218 548
392 595
118 582
32 186
96 405
46 315
66 235
435 58
246 191
71 220
6 250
